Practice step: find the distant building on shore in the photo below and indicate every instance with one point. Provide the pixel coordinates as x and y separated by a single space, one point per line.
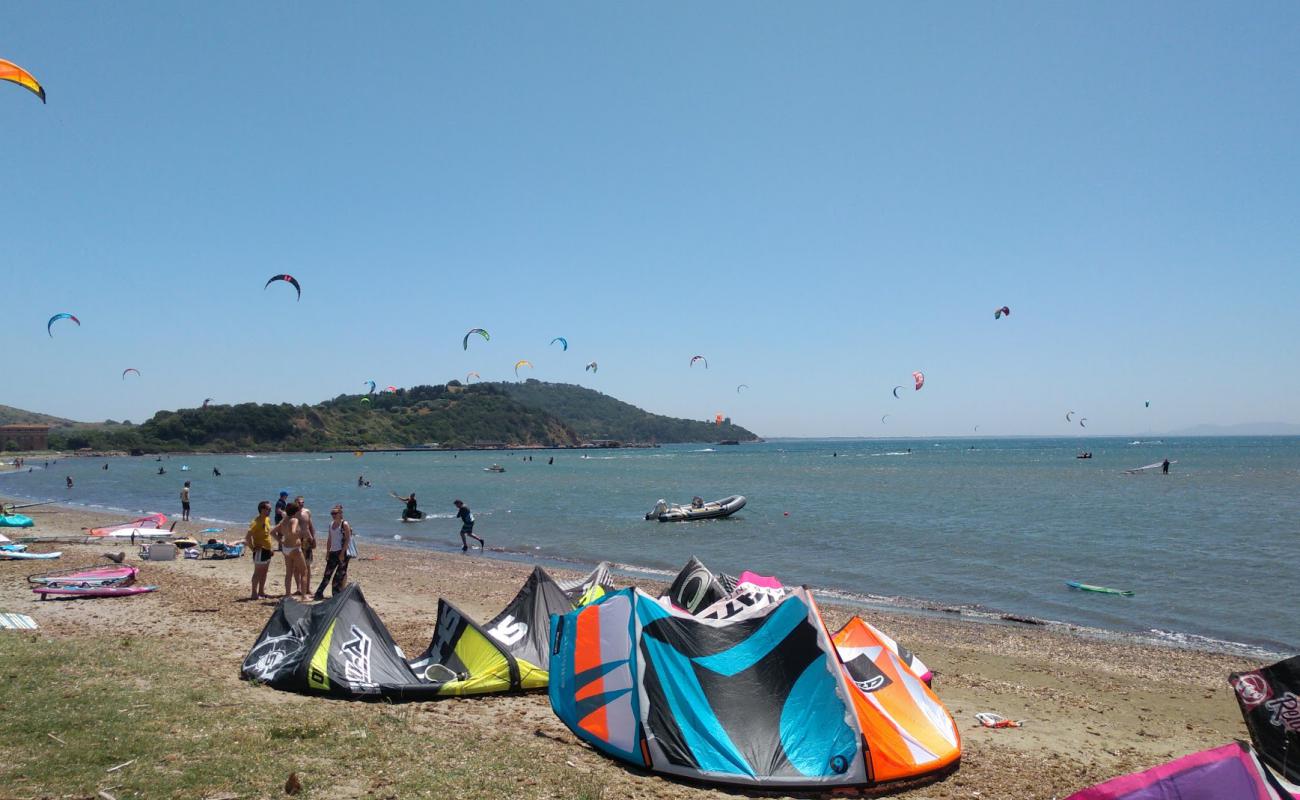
26 437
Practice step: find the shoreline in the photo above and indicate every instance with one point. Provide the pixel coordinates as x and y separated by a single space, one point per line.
902 605
1095 708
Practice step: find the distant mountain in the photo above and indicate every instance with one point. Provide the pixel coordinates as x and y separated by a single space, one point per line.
17 416
482 415
1243 429
598 416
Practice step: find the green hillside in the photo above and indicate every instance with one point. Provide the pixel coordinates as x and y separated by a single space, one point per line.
16 416
598 416
447 416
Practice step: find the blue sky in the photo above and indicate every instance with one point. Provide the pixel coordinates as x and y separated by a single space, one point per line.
820 199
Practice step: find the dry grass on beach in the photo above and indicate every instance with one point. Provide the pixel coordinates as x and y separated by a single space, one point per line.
153 680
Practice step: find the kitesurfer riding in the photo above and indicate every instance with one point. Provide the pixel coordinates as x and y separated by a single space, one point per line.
412 510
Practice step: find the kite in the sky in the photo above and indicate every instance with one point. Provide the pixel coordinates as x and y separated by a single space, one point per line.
1067 415
741 386
469 375
130 369
1148 405
700 358
371 384
9 71
391 390
205 402
563 342
718 419
365 399
464 343
592 367
1002 312
883 417
50 325
289 279
919 377
522 363
896 388
1081 421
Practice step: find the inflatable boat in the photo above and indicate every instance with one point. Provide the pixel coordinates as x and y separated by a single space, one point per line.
696 509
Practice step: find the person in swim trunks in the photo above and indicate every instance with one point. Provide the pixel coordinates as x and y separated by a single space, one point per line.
466 526
289 534
258 540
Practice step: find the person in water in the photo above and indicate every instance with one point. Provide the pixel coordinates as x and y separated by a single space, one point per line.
69 481
412 510
1164 467
466 526
216 473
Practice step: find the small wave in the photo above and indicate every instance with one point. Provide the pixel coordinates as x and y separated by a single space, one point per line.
1198 642
891 453
705 450
218 521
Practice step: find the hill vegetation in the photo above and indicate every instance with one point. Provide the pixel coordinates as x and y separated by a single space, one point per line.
598 416
16 416
482 415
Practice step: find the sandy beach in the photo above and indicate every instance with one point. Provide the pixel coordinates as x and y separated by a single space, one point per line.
1093 708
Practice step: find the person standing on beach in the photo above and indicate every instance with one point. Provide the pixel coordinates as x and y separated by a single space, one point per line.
280 506
339 545
308 533
466 526
258 540
289 534
185 502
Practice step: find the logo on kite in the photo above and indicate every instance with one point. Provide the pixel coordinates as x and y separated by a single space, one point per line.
522 363
741 386
9 71
289 279
371 384
130 369
464 343
700 358
1252 688
469 375
919 377
592 367
50 325
1002 312
563 342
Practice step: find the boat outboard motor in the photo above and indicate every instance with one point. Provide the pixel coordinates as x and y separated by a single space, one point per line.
660 508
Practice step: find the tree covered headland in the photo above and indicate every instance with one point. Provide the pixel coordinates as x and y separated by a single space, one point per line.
451 415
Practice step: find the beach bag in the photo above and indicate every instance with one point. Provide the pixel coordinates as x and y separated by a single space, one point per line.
352 543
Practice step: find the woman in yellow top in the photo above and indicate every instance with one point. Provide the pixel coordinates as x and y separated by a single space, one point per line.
258 540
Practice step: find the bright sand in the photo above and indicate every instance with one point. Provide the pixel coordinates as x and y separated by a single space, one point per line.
1093 708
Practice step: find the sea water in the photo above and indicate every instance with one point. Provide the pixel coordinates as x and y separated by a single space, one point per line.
982 525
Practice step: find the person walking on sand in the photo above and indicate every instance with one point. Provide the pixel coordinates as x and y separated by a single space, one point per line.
339 546
466 526
1164 467
308 534
289 534
185 502
258 540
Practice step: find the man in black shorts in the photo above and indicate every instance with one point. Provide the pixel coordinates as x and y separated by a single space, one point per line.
466 526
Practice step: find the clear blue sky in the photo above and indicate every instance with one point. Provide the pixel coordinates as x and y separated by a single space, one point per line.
819 198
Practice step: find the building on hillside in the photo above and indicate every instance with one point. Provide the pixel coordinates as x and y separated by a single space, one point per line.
26 437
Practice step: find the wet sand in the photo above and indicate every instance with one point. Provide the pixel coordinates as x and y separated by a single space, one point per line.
1092 708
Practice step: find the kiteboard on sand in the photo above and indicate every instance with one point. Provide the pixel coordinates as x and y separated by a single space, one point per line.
13 555
1147 468
1087 587
92 591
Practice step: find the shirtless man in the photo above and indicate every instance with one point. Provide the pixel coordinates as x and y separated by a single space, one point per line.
308 533
289 534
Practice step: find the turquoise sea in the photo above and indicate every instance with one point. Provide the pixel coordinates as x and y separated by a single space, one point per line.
988 526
